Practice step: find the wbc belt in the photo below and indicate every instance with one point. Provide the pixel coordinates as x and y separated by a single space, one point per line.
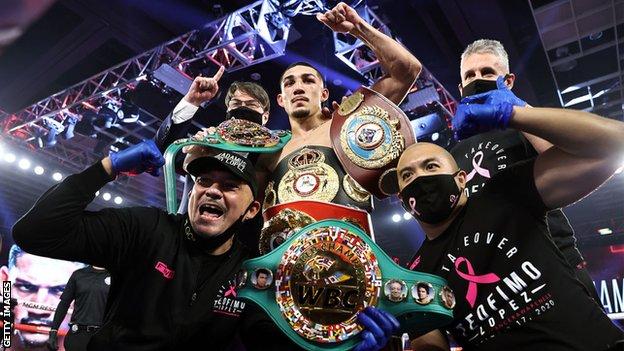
369 133
236 135
283 220
315 283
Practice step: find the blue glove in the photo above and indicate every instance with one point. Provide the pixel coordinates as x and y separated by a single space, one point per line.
139 158
501 95
475 119
379 326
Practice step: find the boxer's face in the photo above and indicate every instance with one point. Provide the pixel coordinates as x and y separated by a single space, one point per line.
302 92
38 283
261 281
217 200
395 290
422 293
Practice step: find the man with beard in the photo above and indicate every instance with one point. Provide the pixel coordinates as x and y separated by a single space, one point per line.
485 67
514 289
173 277
307 168
37 284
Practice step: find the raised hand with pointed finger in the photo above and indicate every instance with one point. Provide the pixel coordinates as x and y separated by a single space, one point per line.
204 88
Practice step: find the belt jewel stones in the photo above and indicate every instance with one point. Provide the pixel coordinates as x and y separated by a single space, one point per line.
351 103
370 138
326 277
308 178
243 132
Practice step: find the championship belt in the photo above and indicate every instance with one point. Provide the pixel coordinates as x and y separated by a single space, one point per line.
283 220
314 284
236 135
369 133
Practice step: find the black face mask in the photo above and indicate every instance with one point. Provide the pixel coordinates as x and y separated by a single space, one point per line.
431 199
478 86
245 113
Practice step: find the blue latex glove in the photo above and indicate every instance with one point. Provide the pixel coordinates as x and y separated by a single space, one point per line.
501 95
475 119
379 326
139 158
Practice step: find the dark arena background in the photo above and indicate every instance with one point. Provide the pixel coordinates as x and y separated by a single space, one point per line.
80 78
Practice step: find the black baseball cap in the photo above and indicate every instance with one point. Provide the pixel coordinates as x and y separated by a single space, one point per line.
236 163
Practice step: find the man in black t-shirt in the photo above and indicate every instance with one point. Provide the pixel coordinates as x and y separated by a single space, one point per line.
484 155
513 289
88 287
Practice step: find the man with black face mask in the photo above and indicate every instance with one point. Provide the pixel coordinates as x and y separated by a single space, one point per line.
485 67
244 100
173 276
513 288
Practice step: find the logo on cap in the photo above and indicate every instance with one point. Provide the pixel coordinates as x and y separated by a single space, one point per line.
232 160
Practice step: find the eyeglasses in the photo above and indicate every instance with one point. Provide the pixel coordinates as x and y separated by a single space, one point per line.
253 104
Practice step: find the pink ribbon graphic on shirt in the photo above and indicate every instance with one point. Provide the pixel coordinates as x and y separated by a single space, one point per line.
231 291
476 167
412 204
473 280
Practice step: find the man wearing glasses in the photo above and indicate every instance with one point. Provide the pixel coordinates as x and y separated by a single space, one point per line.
244 100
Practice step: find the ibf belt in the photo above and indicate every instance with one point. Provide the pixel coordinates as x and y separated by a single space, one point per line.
369 133
308 178
283 220
314 284
236 135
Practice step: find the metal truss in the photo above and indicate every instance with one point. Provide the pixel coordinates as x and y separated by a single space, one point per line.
355 54
109 84
250 35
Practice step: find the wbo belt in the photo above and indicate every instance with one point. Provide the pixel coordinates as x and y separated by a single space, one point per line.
88 328
369 133
283 220
314 284
236 135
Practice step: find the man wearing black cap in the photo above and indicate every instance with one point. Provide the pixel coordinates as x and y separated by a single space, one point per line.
173 276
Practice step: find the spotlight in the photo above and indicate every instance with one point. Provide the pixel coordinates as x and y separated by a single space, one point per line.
435 136
97 193
24 164
57 176
86 123
39 170
407 216
106 196
396 218
70 125
54 128
10 158
129 113
605 231
118 200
